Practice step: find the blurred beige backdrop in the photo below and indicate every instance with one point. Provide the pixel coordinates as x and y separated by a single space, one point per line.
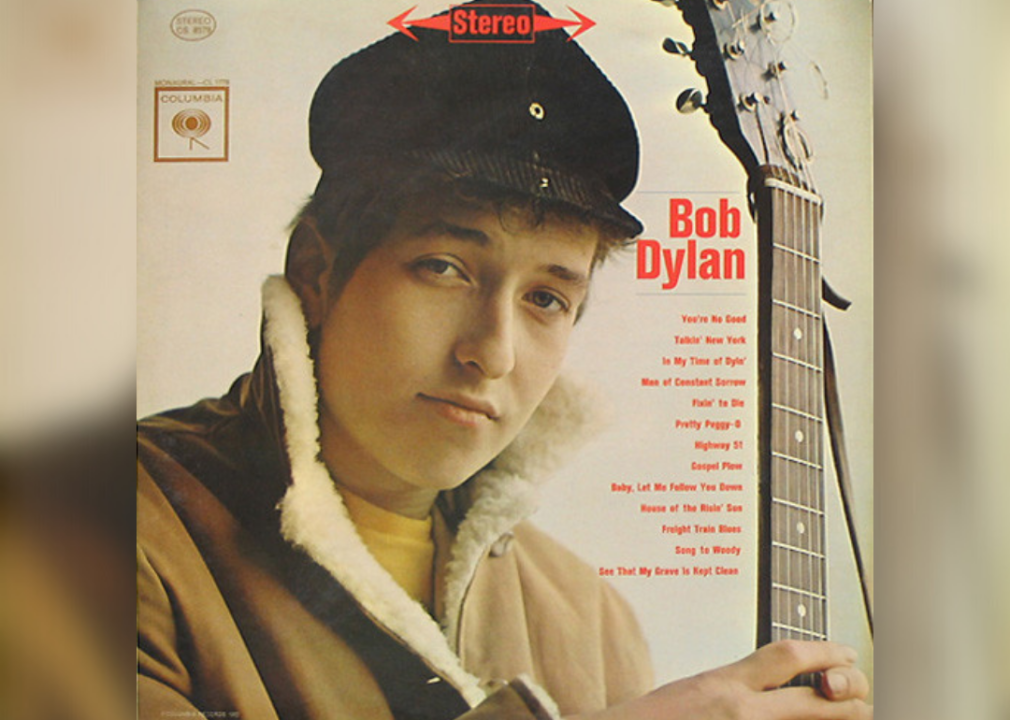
67 165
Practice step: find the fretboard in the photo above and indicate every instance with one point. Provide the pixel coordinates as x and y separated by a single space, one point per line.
793 592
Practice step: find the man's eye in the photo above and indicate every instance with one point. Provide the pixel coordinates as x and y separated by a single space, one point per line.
439 267
548 301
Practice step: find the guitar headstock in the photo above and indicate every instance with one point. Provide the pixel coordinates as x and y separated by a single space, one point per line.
738 49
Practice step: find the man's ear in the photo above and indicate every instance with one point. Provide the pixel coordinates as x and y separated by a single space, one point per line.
307 268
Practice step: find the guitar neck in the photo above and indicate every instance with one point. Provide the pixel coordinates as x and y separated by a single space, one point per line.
738 50
792 589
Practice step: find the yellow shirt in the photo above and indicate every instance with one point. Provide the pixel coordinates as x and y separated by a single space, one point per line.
402 545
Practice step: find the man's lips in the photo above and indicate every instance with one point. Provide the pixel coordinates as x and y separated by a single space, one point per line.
466 406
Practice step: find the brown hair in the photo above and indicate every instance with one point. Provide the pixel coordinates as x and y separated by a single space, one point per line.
356 209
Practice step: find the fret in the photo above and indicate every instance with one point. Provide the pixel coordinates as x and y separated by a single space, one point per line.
797 591
787 306
797 253
790 503
795 411
804 499
797 361
798 461
784 546
803 634
799 243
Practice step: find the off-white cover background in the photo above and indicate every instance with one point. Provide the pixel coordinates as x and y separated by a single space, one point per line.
210 232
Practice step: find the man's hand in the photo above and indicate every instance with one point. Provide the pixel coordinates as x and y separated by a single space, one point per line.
750 689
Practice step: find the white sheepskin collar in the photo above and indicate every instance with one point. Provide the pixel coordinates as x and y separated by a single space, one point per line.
314 518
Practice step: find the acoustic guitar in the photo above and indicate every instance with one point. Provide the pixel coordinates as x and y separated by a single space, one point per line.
738 50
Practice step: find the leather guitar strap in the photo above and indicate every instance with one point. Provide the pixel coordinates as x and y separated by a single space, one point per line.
836 434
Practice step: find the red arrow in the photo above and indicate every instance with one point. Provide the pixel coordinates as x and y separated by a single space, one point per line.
441 22
542 22
586 23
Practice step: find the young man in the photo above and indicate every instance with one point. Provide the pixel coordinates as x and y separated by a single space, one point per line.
342 535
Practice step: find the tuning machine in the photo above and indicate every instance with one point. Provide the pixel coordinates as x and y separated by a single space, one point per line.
734 50
677 47
776 69
752 101
689 101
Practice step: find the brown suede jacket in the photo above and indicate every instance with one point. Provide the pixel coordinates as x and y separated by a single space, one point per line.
258 600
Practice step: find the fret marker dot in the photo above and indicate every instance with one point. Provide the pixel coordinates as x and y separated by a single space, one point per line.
798 334
799 436
801 528
801 610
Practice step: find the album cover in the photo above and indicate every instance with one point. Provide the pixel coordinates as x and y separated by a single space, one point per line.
707 492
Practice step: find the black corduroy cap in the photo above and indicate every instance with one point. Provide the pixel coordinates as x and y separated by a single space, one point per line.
538 118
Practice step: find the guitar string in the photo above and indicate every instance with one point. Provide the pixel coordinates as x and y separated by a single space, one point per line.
802 386
796 384
809 270
776 554
792 269
808 280
815 349
798 231
793 389
808 376
788 370
816 341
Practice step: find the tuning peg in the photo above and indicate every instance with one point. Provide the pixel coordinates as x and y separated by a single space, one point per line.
751 101
777 19
689 101
777 68
735 50
676 47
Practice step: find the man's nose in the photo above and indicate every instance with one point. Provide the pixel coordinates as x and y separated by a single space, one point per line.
487 342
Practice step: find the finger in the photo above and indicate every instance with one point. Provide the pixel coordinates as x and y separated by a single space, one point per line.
806 704
779 662
844 683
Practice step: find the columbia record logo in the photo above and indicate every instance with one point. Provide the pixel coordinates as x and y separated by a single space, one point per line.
191 122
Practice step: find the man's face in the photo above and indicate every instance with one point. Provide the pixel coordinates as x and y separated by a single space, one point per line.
443 343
